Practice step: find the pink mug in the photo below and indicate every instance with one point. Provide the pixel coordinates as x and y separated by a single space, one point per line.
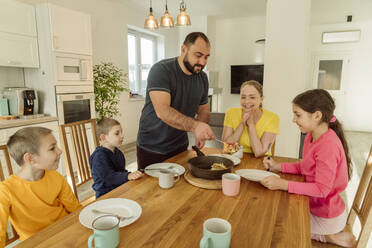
230 184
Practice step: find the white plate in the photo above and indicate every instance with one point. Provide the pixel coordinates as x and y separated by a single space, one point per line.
119 206
235 160
179 169
254 175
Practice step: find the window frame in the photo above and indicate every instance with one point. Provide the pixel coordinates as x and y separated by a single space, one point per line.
138 35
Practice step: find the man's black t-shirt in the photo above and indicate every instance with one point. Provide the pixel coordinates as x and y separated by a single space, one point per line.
187 93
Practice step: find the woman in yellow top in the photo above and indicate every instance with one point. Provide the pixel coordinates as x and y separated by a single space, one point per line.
251 125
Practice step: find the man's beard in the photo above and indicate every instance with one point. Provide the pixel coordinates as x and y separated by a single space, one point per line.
191 68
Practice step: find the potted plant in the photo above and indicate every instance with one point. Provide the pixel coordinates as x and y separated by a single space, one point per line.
109 82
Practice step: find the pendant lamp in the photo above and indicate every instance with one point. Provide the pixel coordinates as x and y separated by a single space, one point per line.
183 18
166 21
151 22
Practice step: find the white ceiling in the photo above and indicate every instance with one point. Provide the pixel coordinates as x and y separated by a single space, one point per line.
324 11
217 8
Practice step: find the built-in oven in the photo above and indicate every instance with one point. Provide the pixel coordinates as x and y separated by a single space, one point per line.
75 103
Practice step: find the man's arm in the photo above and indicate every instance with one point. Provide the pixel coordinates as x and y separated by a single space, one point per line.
203 113
161 101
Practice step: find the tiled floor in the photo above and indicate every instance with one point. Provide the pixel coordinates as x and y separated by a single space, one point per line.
359 145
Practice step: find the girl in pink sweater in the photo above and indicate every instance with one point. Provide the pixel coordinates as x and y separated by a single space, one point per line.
325 164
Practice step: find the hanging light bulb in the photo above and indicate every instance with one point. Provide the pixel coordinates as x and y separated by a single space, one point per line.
166 21
151 22
183 19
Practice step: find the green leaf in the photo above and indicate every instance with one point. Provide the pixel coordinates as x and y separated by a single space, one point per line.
109 82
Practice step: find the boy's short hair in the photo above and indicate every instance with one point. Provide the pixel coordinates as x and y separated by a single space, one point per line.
26 140
104 126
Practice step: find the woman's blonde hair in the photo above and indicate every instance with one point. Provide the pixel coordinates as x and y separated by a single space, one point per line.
255 84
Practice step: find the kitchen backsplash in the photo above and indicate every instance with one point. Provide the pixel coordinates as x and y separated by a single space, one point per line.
11 77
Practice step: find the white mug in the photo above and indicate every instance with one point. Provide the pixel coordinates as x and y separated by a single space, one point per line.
166 179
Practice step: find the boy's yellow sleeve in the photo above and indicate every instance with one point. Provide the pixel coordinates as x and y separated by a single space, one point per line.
68 198
4 213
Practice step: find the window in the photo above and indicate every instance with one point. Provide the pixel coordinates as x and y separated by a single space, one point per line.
329 77
141 56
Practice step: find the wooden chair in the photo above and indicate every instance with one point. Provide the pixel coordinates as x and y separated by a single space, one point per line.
11 234
77 134
361 208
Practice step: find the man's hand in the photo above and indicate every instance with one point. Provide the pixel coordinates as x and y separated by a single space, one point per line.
274 183
202 132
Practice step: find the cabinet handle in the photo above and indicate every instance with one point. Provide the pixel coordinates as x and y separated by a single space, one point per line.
14 62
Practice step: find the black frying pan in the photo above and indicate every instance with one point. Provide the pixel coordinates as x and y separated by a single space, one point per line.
200 166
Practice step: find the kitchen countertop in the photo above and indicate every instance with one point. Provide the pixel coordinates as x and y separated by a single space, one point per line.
22 122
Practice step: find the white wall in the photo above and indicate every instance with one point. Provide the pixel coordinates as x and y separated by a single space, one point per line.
286 65
109 34
11 77
235 45
336 11
356 103
198 24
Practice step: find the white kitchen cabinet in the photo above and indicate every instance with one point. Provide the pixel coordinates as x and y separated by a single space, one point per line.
18 36
18 51
17 18
71 31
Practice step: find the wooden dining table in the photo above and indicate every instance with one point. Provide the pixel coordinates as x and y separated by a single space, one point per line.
174 217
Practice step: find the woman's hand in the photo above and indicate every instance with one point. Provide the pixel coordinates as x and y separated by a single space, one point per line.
250 120
135 175
275 183
272 165
246 115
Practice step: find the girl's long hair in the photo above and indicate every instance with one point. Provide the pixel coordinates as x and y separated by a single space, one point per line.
320 100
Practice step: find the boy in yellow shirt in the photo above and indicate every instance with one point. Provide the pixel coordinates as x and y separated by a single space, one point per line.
37 195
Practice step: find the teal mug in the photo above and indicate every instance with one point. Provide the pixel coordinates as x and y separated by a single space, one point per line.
105 232
216 233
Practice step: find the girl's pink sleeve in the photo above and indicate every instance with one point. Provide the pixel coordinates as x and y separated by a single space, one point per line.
325 175
291 168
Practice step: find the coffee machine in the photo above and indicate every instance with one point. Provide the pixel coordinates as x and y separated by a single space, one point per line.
22 101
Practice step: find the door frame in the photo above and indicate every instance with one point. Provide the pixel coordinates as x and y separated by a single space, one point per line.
338 95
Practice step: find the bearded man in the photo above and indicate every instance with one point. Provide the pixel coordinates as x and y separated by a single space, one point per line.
176 102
